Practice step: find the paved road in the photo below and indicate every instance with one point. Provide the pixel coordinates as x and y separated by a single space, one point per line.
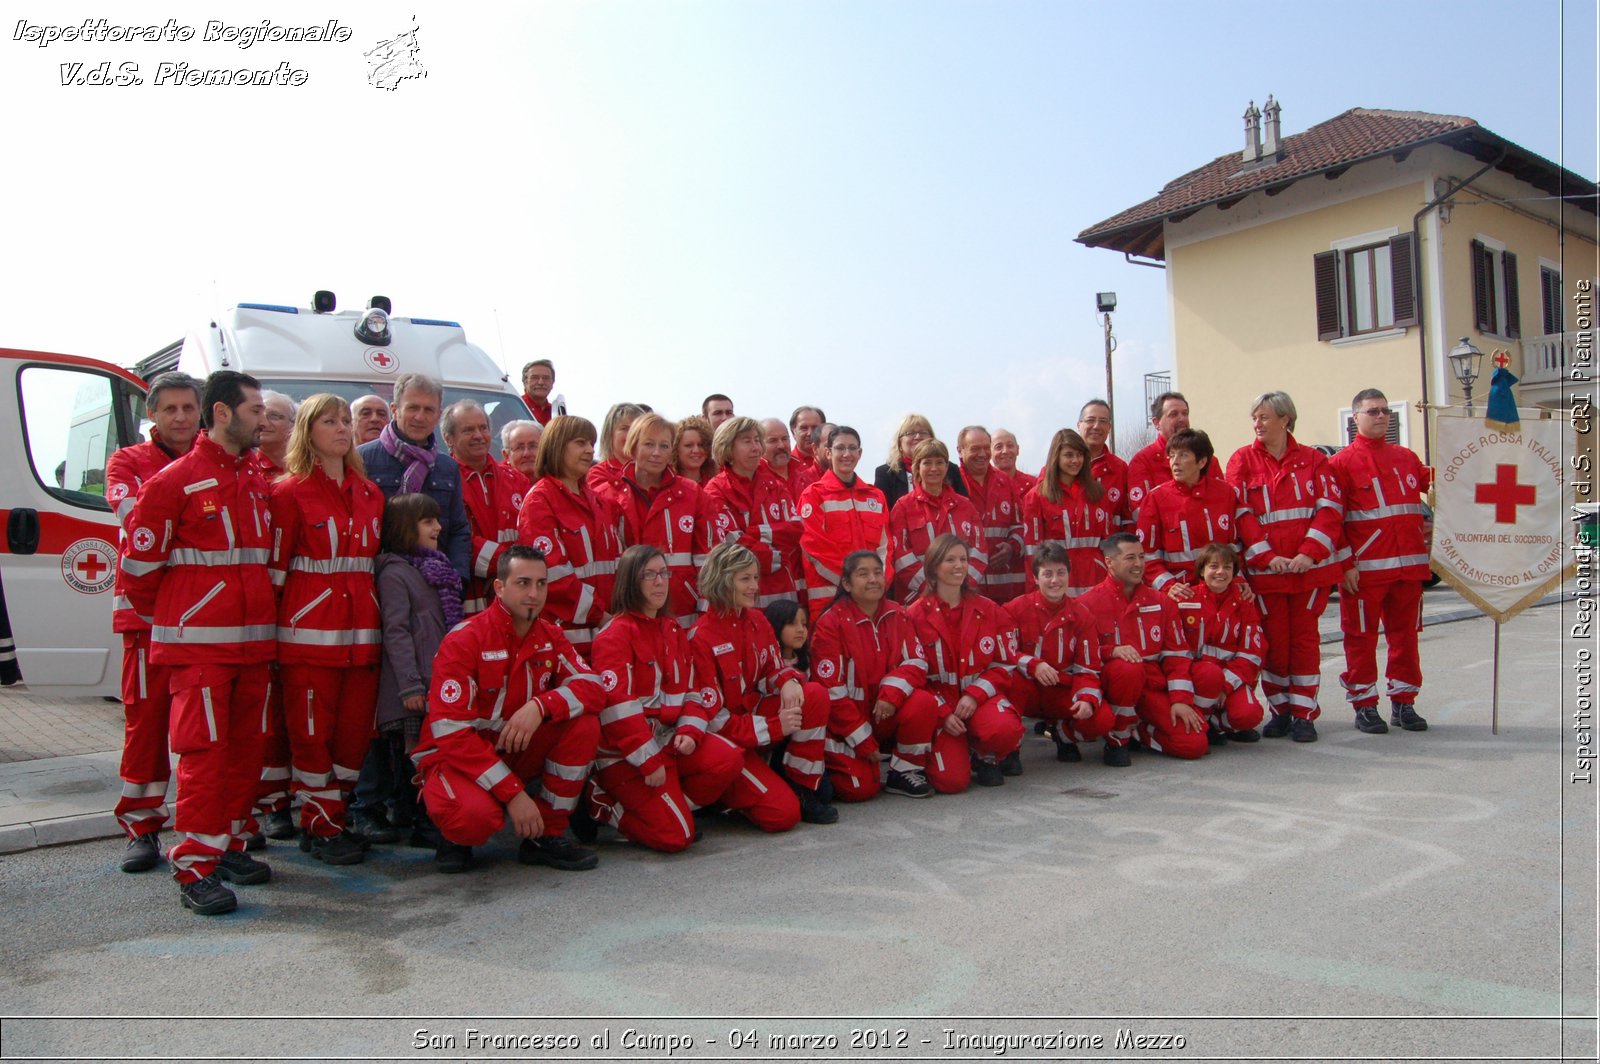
1381 896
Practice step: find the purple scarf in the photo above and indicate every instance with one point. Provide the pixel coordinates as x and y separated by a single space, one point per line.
418 460
436 569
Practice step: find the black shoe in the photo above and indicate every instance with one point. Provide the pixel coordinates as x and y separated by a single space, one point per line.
375 828
1066 749
143 853
1216 736
1367 720
424 834
1278 726
236 866
207 897
911 784
987 773
1117 756
585 828
280 825
1248 735
1040 727
557 851
341 849
1305 731
813 810
450 858
1404 715
1011 764
253 843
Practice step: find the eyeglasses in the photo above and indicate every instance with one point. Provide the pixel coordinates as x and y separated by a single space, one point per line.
915 434
1097 421
655 574
1381 411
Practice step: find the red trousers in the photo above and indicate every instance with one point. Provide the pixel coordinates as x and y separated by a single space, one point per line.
855 739
272 793
1055 703
216 733
803 756
558 756
662 817
757 792
1138 695
146 766
994 732
1397 606
328 714
1234 710
1291 662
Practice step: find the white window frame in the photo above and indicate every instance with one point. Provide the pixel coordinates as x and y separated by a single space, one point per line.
1400 418
1351 243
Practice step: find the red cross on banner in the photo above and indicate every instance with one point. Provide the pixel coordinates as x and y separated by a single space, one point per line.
1505 494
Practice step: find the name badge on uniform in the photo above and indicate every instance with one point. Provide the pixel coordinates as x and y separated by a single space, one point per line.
722 648
495 655
1149 609
200 485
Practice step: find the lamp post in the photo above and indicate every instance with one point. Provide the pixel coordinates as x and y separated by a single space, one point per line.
1466 362
1105 303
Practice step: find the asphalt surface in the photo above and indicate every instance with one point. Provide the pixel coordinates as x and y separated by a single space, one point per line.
1406 895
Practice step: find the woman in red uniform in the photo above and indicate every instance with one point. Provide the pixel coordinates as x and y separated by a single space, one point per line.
1068 506
840 513
1182 515
613 444
866 651
655 764
931 509
1225 636
755 701
755 507
968 642
326 521
691 450
578 531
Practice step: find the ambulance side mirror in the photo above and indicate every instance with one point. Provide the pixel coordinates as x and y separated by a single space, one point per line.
22 531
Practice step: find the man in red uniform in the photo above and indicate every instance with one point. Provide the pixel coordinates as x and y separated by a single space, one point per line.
1094 425
1146 677
775 444
492 495
512 703
1149 469
196 564
173 404
1383 486
995 496
538 378
805 425
1004 452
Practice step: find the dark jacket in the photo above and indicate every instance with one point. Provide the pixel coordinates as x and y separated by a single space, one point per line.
443 483
896 484
413 627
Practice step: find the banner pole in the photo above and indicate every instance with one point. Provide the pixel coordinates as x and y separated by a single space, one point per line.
1494 717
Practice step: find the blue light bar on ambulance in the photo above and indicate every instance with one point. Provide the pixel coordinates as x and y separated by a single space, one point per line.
435 321
269 306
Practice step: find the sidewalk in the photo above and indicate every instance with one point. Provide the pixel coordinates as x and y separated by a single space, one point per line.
59 756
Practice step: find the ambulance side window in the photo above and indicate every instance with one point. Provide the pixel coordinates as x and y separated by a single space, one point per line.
71 422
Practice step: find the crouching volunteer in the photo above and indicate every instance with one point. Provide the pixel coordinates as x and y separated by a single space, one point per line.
755 701
967 638
327 518
196 565
1224 633
1146 675
1057 675
866 650
656 764
512 703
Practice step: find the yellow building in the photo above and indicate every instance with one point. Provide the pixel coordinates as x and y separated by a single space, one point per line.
1357 254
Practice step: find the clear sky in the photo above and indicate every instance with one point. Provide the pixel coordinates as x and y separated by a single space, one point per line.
868 205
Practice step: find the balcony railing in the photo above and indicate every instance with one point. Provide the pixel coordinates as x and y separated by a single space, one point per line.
1545 358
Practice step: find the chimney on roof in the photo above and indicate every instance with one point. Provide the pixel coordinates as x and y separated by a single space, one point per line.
1273 146
1252 134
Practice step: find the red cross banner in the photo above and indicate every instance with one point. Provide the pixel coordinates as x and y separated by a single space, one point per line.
1502 513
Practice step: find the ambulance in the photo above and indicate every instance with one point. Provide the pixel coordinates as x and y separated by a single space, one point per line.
61 416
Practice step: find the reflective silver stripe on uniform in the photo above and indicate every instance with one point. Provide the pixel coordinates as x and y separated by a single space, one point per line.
784 596
144 790
124 508
897 684
834 746
574 703
801 765
579 635
480 564
621 711
692 723
718 721
1412 509
662 698
644 753
678 558
605 568
763 733
493 775
244 633
1003 578
1292 513
1321 537
329 566
1081 542
474 605
1330 504
1181 685
802 735
313 779
211 716
234 556
985 686
1376 564
134 567
439 728
575 773
1256 550
580 612
860 735
343 637
840 692
557 572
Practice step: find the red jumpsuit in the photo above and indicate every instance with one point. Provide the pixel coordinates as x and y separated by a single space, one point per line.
581 536
483 675
835 521
678 520
1076 523
146 700
999 507
1178 519
272 792
1062 636
324 539
1383 487
916 521
1112 473
760 515
1144 693
803 470
969 653
864 659
1149 469
196 564
604 473
1025 482
1225 637
1298 509
493 500
644 666
739 674
541 410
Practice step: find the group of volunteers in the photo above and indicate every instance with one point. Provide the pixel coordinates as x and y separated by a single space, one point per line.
326 610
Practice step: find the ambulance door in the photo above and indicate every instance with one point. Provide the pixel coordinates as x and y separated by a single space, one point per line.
59 420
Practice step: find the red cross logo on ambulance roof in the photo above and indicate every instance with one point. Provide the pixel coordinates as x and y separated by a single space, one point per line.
380 360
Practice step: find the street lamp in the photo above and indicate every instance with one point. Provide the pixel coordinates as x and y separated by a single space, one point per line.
1105 303
1466 362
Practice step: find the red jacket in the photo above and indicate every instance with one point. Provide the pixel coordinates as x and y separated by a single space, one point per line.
1227 630
1383 486
676 519
736 664
1178 519
1149 469
998 503
1074 522
1298 509
1025 482
1112 473
916 521
196 561
127 470
644 667
836 520
798 476
581 536
1149 622
604 473
324 539
1061 635
761 516
968 646
482 675
542 411
861 659
494 503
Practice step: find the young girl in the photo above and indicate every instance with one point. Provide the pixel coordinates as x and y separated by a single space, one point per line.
791 624
1225 635
1069 505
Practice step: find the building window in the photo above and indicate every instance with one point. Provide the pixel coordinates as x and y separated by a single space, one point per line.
1555 318
1368 295
1396 432
1366 288
1496 308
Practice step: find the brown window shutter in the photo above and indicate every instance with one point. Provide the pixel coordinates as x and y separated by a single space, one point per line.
1482 282
1325 269
1550 300
1508 266
1403 278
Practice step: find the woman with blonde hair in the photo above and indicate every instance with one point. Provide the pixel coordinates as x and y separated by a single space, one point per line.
894 478
1068 506
691 450
931 509
754 507
614 442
